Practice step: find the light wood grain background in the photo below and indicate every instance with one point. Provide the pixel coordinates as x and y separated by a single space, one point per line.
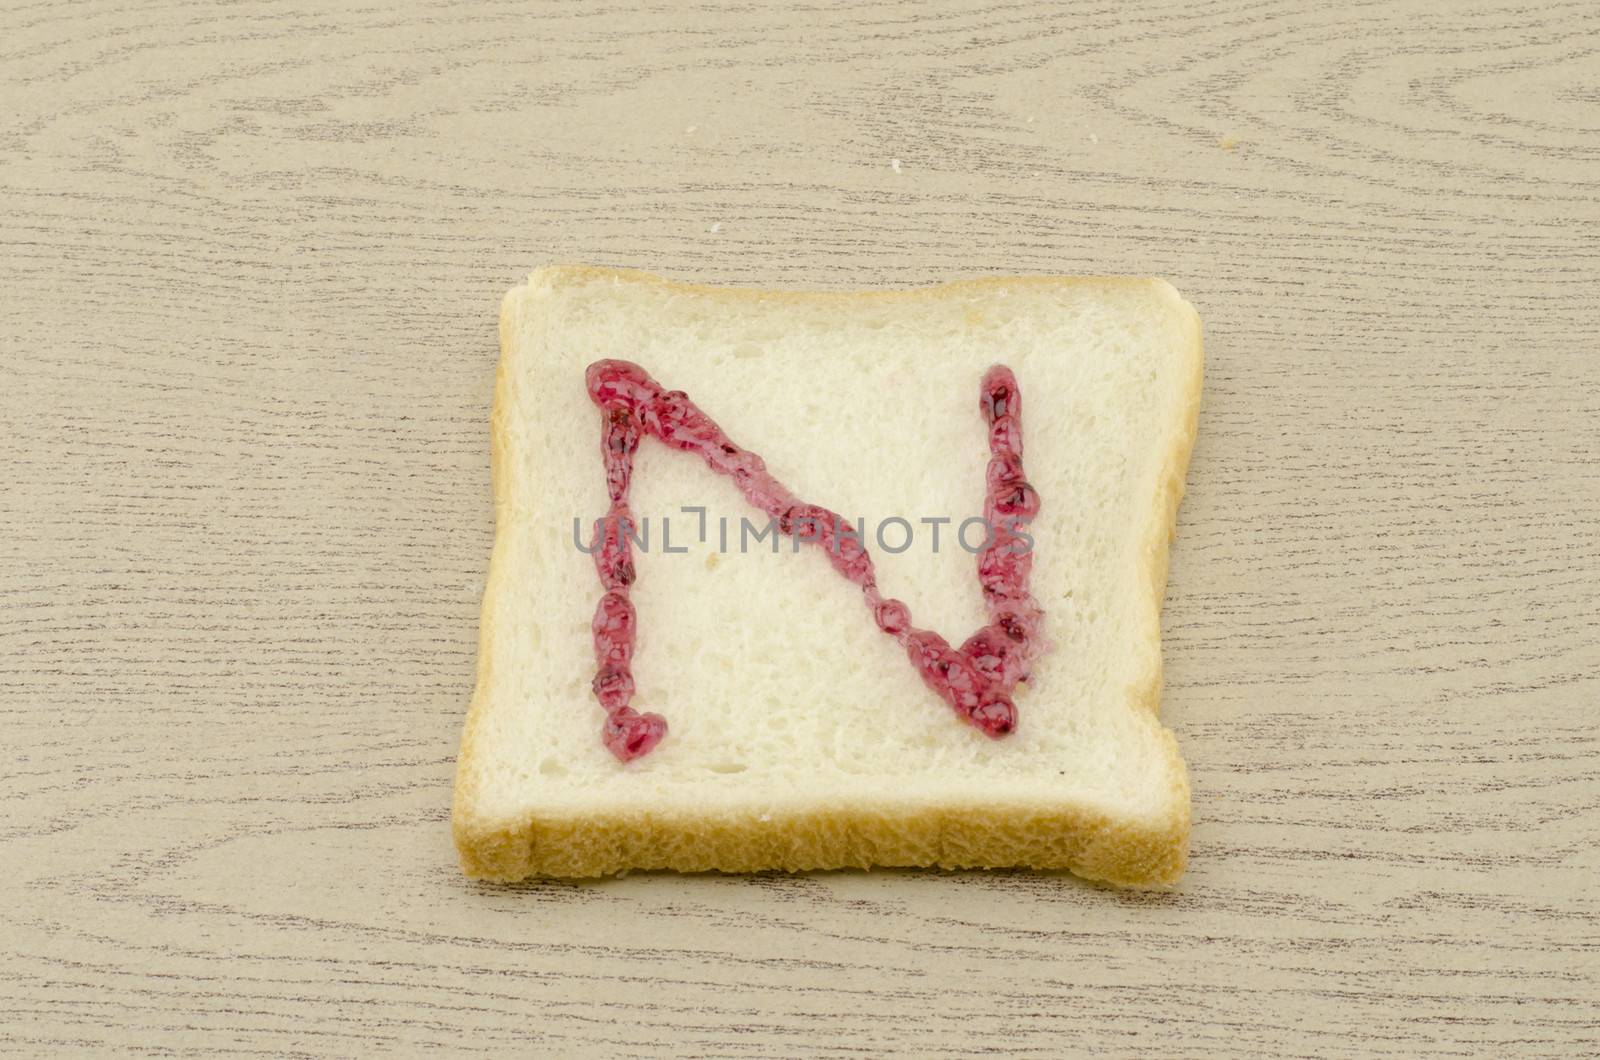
251 260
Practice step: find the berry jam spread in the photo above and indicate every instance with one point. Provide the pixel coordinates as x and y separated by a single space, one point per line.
976 679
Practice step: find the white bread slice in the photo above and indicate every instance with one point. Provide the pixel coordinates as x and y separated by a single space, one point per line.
800 737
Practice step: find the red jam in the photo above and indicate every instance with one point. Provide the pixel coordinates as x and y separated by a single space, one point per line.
976 679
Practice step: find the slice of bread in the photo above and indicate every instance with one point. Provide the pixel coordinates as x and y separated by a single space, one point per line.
799 736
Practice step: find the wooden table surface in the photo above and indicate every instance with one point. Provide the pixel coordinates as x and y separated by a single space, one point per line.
252 257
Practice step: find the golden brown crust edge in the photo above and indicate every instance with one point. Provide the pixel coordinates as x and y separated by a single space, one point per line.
1142 853
948 836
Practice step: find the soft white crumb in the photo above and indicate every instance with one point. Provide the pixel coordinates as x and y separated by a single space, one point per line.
716 226
894 163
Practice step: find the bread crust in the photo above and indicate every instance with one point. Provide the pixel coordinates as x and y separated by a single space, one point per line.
891 831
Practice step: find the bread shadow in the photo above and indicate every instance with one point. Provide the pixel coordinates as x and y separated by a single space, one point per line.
898 881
